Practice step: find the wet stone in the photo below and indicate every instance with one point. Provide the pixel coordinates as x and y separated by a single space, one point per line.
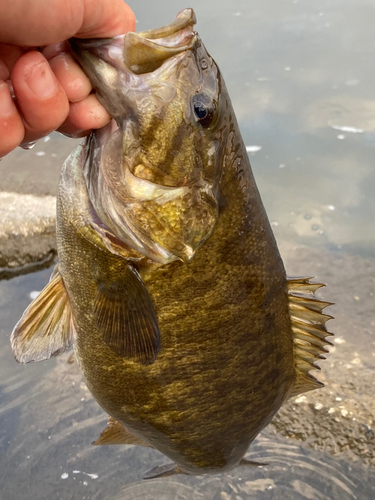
28 230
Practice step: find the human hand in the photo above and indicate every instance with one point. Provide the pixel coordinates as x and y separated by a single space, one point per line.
51 91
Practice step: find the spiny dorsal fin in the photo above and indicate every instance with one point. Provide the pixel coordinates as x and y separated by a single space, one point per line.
116 433
308 325
45 329
126 318
303 284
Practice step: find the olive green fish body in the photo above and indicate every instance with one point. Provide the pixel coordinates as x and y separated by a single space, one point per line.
226 362
170 285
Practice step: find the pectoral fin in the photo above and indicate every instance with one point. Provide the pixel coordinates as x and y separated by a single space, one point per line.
116 433
45 329
126 318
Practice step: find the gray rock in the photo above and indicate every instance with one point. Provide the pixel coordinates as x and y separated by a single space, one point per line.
27 231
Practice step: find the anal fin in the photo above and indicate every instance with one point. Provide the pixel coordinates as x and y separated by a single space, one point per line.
309 331
45 329
116 433
126 318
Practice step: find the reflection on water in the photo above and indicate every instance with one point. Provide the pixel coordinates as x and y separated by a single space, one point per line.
301 78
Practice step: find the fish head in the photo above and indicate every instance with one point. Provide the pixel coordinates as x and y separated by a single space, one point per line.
153 174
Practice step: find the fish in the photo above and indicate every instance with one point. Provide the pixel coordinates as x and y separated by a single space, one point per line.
169 283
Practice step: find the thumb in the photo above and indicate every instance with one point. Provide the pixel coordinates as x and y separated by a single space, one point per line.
37 23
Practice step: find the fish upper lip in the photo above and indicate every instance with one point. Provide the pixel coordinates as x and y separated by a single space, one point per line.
184 19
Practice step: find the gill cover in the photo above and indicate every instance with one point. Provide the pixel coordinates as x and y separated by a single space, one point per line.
152 174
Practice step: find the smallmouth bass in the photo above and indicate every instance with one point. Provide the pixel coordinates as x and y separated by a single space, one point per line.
169 284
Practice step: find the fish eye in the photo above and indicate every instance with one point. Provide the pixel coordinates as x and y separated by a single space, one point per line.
200 110
203 109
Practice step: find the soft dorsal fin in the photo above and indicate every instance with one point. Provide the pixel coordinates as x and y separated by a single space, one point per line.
45 329
116 433
308 325
250 463
172 469
126 318
166 470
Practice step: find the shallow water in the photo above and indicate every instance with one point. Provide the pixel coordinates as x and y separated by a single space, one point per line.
300 76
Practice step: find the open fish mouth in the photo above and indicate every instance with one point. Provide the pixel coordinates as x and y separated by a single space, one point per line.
147 50
141 52
112 63
185 18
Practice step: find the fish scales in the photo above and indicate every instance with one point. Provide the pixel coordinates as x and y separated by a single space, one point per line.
180 306
201 375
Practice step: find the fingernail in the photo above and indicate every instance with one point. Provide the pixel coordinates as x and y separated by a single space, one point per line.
40 79
7 107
